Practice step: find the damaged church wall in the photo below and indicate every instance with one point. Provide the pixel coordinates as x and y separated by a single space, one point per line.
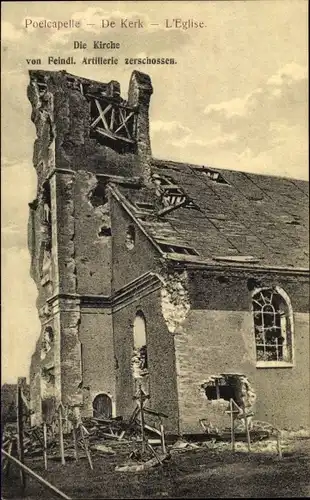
160 355
129 265
217 337
93 239
210 344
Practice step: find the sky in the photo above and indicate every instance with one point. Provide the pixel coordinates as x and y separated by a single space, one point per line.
237 99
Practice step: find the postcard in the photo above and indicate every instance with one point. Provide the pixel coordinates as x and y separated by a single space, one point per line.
155 249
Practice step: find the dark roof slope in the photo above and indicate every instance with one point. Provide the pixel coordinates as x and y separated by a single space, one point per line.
234 216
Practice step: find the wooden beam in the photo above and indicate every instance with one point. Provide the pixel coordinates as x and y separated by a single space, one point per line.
125 121
45 445
76 451
106 133
36 476
124 124
85 444
20 430
141 402
101 115
232 425
162 439
61 436
110 134
119 179
112 119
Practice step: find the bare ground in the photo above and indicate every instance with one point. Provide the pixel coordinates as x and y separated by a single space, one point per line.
194 473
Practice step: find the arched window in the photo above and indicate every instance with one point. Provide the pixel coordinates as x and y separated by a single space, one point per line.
139 338
47 341
130 239
273 326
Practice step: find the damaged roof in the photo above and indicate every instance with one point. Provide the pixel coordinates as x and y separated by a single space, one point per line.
198 214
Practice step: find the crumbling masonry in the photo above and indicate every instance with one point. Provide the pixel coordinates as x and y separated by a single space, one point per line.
147 271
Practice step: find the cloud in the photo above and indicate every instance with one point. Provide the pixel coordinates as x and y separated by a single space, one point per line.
172 132
266 117
180 136
291 71
234 107
264 130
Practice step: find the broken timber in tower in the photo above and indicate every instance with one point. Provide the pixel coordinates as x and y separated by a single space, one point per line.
113 121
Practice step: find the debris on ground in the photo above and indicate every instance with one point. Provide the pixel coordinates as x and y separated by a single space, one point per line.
182 445
103 449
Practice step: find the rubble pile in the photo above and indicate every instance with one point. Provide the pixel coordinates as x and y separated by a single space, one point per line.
112 428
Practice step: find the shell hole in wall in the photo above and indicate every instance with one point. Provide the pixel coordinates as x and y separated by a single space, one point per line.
219 388
99 196
104 231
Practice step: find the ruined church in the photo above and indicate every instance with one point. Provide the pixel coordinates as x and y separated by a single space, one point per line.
183 281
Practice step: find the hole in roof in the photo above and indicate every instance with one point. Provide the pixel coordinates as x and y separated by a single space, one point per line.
162 180
177 249
214 175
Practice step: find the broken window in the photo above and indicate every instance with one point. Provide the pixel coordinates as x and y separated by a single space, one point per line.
177 249
130 237
140 359
45 257
273 325
47 341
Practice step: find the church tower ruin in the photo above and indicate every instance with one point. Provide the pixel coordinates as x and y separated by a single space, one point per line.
87 136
